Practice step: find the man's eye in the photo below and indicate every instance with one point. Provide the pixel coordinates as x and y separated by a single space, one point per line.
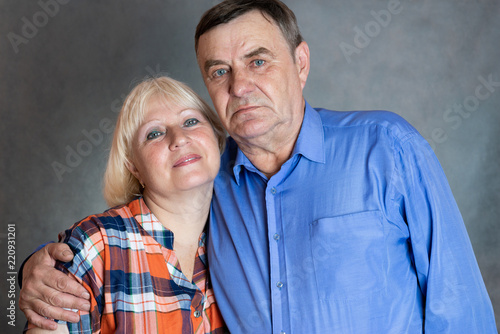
191 122
259 62
154 134
220 72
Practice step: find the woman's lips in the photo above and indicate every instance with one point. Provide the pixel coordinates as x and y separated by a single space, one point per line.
186 160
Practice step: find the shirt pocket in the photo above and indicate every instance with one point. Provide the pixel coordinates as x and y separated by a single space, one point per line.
349 256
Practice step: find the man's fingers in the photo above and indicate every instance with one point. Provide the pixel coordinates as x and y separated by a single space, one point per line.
44 276
58 299
52 312
53 297
74 292
39 321
60 251
44 291
35 309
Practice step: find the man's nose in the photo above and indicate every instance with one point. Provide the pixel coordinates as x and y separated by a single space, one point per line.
241 82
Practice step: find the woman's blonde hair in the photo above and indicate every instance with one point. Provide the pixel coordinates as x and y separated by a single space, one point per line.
120 186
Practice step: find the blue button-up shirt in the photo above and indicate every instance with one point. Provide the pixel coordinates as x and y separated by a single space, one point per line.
357 233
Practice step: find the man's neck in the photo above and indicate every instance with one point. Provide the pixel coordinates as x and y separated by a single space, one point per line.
269 162
267 154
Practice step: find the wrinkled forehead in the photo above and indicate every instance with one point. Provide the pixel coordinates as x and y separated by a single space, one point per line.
248 30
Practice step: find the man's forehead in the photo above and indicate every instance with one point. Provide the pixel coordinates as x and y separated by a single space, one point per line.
246 33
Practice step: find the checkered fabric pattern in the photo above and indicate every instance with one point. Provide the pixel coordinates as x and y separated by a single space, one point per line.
124 257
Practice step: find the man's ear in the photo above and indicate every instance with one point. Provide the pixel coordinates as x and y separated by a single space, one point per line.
302 60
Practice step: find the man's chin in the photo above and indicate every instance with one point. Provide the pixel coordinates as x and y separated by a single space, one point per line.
251 131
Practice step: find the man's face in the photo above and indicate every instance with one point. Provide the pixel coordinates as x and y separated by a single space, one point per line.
252 78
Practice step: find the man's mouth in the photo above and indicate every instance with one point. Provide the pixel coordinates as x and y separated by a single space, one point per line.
244 108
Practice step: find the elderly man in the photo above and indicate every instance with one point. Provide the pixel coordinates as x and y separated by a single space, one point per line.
322 221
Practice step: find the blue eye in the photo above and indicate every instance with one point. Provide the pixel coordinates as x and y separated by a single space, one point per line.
191 122
154 134
220 72
259 62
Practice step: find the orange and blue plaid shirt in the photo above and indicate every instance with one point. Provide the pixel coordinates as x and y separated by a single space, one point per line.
124 257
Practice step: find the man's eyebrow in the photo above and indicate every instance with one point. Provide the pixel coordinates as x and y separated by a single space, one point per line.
258 51
251 54
210 63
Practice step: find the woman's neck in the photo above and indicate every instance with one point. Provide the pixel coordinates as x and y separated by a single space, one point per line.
183 213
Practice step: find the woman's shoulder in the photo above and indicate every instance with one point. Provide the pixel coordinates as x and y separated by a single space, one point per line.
114 221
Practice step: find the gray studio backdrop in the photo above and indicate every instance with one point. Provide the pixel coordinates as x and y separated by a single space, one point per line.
65 67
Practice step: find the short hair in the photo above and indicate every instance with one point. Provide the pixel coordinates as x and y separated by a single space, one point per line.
120 186
228 10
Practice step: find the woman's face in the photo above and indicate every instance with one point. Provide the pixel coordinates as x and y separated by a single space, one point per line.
174 150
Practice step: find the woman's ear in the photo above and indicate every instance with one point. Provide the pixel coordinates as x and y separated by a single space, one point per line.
132 169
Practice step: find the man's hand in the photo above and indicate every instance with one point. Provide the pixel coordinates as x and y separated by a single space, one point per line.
46 290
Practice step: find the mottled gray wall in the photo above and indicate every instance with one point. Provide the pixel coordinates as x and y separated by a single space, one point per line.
64 70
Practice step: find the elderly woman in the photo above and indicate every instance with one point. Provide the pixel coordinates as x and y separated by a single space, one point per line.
143 261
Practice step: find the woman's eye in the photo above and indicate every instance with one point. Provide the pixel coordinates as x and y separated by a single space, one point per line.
154 134
191 122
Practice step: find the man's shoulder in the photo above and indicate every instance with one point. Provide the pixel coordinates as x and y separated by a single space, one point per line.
382 120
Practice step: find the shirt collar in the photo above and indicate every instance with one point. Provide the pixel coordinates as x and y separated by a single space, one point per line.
155 228
310 143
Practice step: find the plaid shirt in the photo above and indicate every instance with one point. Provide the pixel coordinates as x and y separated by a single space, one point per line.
124 257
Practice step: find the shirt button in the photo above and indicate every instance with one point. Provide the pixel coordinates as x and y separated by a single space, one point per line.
282 332
273 190
197 314
279 285
276 236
